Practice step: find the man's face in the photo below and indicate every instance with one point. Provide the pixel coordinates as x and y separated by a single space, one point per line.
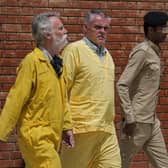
96 30
160 33
59 34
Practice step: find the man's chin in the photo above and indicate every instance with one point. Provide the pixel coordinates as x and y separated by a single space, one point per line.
60 48
64 45
101 43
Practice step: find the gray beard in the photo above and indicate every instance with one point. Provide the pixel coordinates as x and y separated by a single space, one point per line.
59 45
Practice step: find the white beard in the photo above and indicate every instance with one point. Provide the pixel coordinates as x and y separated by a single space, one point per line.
59 44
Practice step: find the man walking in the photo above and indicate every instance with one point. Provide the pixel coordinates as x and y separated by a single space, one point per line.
37 100
90 70
138 89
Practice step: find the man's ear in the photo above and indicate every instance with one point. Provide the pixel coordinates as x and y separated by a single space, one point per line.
151 29
84 28
47 35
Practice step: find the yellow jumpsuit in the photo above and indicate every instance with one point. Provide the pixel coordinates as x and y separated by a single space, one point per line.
37 102
91 98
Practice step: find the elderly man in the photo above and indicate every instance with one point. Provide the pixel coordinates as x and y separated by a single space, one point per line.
90 70
37 99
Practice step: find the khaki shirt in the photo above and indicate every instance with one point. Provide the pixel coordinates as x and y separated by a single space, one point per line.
139 84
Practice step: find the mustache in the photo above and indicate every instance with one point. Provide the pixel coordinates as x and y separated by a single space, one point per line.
62 42
65 37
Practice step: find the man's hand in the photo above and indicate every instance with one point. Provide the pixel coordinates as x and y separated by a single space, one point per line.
129 129
68 138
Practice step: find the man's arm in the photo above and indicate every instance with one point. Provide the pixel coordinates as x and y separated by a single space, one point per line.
71 68
16 99
134 66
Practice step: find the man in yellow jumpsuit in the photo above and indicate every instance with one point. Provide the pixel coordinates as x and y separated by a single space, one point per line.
90 70
37 100
138 89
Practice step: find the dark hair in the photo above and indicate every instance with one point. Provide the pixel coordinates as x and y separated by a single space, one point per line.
154 19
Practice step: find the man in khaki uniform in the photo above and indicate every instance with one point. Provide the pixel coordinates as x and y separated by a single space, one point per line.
138 89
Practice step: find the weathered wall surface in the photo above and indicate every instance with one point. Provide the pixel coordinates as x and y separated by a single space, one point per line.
126 30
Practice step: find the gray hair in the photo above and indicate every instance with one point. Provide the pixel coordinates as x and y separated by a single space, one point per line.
41 25
92 12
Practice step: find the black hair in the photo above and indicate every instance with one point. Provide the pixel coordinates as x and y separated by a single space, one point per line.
154 19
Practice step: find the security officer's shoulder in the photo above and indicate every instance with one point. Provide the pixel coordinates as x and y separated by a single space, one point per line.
140 47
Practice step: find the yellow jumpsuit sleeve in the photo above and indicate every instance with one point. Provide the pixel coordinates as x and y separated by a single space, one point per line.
67 118
16 99
135 64
67 114
71 61
70 69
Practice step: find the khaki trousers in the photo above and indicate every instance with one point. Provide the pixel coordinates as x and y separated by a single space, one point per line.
149 138
92 150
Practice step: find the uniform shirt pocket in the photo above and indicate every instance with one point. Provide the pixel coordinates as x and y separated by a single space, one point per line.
153 72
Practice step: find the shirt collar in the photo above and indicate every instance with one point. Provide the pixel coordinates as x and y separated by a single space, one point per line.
155 47
46 53
97 50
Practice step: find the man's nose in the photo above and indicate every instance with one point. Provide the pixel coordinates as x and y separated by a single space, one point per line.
65 31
